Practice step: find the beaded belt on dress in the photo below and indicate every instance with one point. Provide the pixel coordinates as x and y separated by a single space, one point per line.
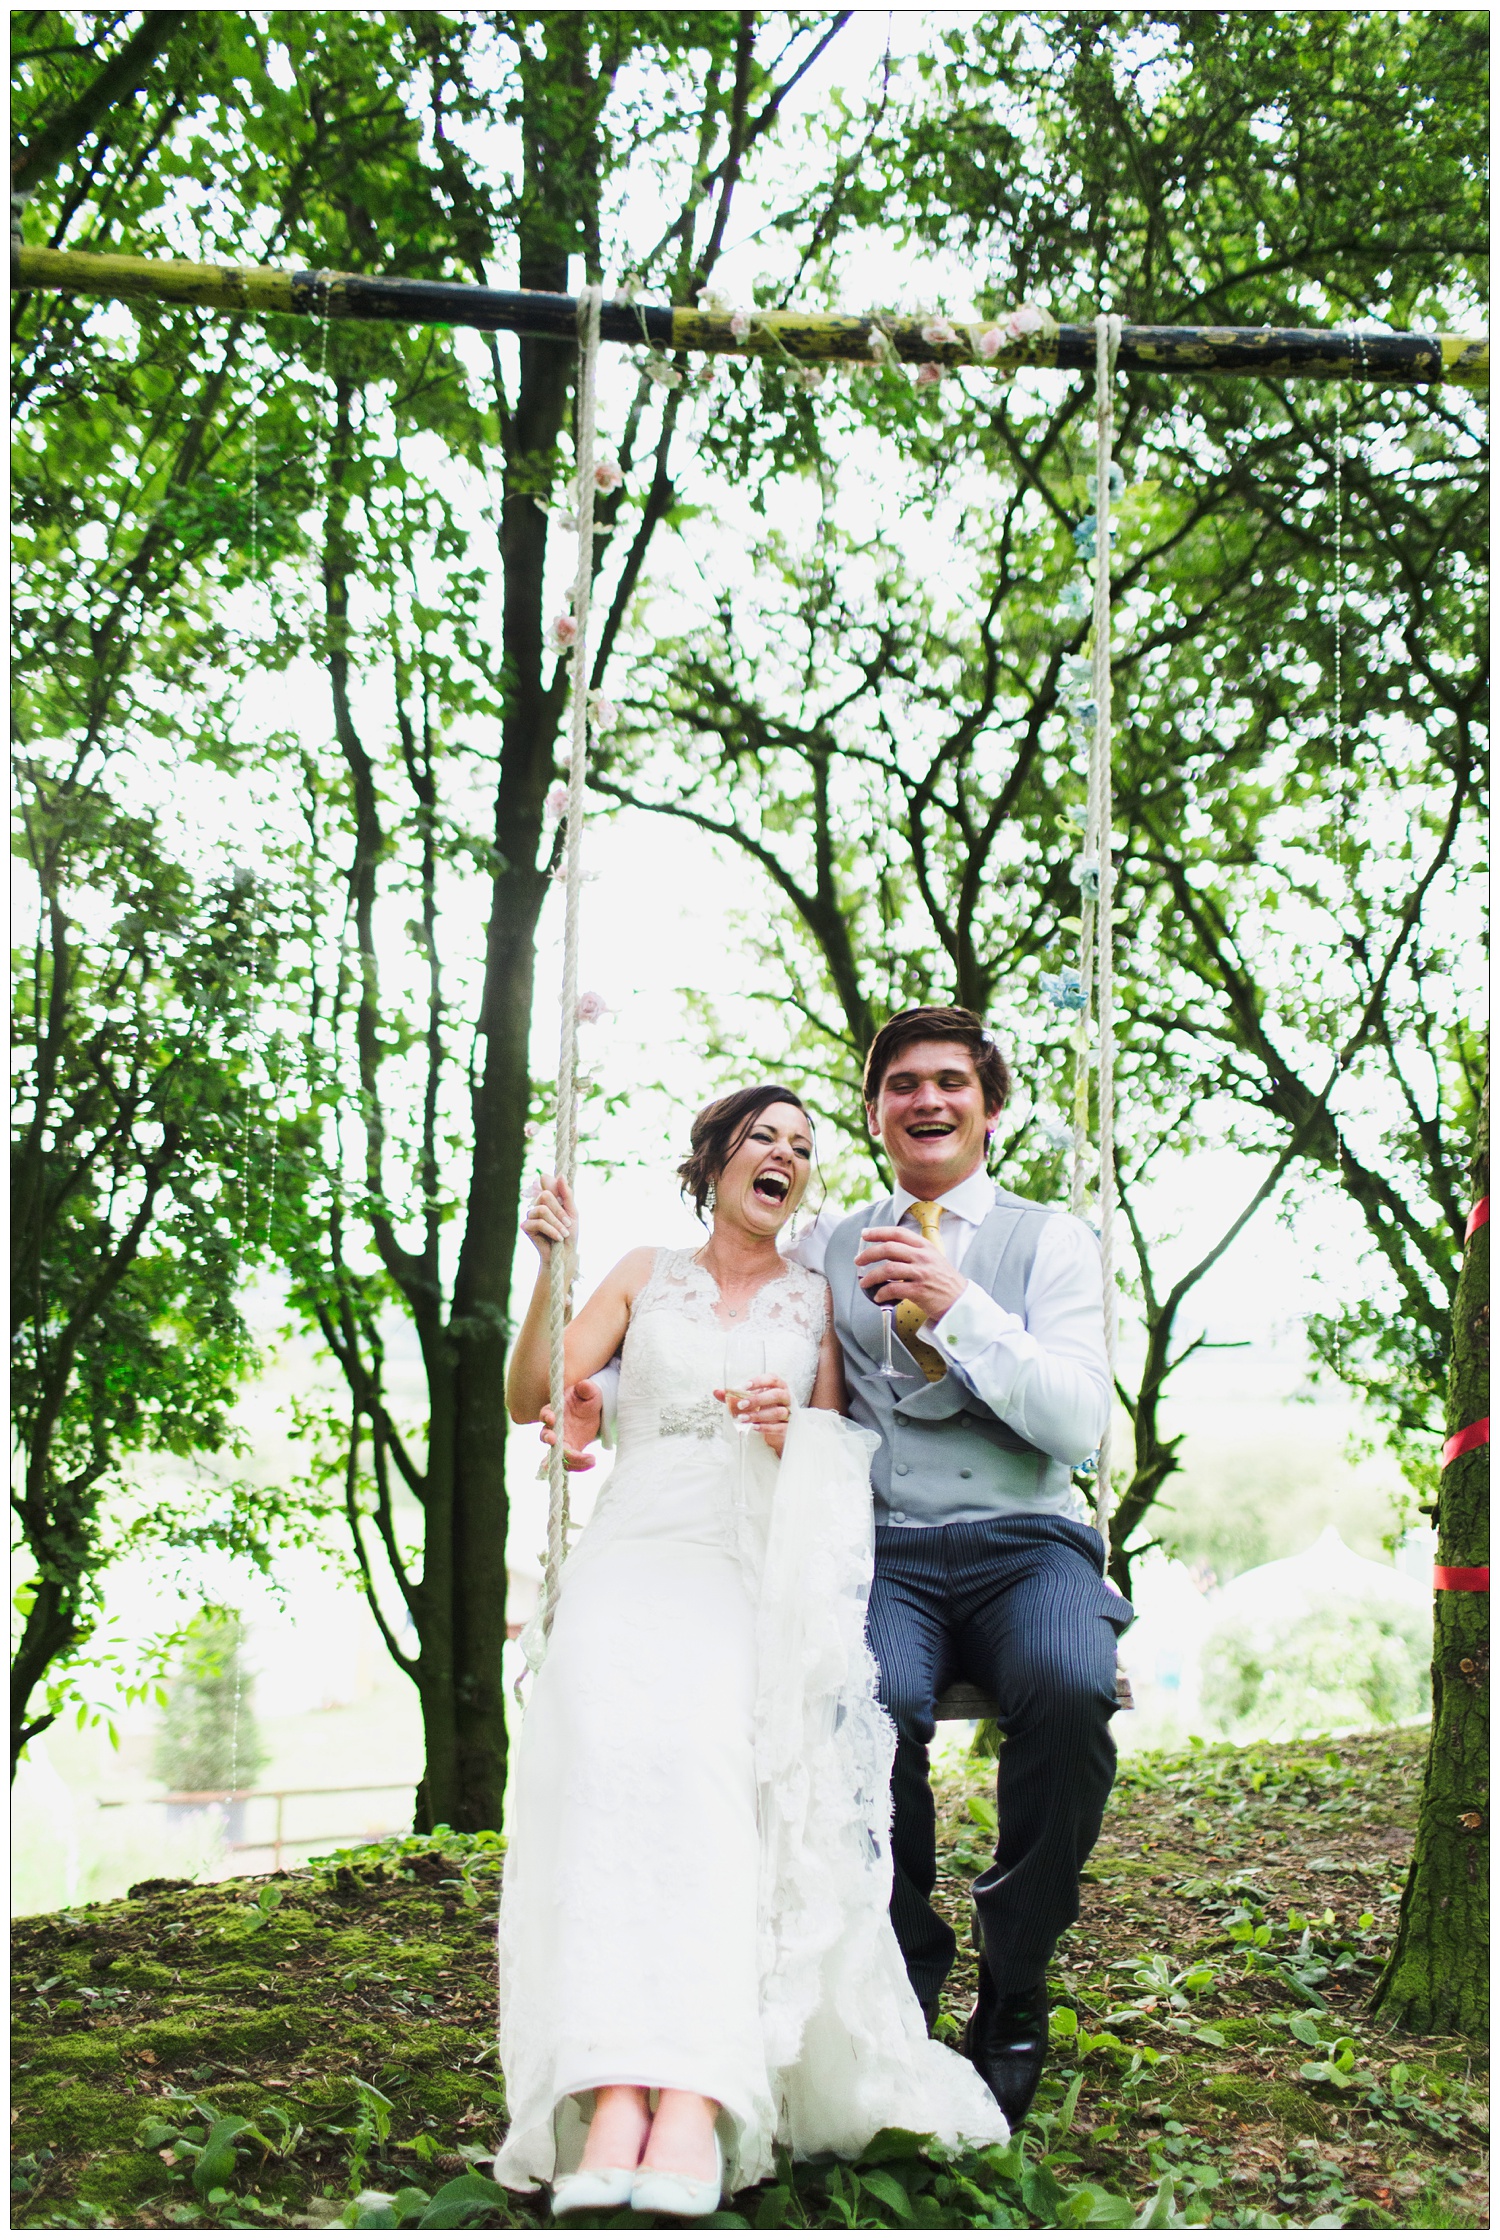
699 1419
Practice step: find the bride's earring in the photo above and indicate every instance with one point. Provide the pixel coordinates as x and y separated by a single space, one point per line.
711 1200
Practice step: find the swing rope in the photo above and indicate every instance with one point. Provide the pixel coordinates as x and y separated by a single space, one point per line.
566 1155
1096 911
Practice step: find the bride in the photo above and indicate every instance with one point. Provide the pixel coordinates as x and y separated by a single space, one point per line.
696 1959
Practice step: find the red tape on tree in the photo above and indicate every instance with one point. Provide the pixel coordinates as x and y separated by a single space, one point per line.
1464 1442
1457 1578
1478 1218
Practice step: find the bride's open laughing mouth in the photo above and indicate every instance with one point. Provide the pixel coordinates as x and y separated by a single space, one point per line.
772 1187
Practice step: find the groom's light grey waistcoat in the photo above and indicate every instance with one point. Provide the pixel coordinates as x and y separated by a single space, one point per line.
943 1454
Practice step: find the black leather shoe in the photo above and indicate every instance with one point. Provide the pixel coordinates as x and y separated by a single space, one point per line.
1006 2039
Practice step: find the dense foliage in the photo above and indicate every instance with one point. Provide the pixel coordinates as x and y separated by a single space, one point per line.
289 712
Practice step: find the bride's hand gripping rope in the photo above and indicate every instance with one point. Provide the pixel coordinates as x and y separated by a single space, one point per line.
551 1217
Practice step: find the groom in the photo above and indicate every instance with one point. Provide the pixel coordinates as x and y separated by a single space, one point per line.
982 1571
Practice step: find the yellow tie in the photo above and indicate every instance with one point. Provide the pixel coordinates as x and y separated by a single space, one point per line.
909 1316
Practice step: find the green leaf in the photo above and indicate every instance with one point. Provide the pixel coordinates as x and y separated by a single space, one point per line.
1326 2072
1159 2214
1041 2193
1303 2026
889 2190
461 2202
217 2157
893 2145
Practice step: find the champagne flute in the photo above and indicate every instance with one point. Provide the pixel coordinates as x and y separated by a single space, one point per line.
744 1361
887 1366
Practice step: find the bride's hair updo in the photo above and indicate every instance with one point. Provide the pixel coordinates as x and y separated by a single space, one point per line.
720 1129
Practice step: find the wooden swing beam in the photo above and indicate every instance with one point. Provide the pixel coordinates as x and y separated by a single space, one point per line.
805 337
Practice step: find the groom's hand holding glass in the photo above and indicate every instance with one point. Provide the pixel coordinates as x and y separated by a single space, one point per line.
895 1264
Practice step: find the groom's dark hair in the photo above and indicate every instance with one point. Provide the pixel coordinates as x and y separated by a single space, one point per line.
940 1022
720 1129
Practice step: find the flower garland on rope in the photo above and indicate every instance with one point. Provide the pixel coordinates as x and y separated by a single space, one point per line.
571 632
1087 989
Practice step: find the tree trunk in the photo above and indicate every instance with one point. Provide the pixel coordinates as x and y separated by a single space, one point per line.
1155 1455
464 1784
1437 1978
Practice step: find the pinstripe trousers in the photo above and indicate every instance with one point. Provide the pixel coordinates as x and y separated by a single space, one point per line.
1017 1606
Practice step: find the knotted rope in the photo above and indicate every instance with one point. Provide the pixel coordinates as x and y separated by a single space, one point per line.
1096 912
566 1156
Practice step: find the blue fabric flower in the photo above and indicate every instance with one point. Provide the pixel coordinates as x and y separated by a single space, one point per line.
1064 990
1086 876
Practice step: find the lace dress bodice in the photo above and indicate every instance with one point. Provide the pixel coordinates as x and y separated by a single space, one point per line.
678 1471
677 1344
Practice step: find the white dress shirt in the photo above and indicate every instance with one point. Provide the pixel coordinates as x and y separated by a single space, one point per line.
1043 1372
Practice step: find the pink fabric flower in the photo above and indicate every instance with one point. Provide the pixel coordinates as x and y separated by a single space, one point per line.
813 377
940 334
739 326
531 1131
591 1009
929 375
564 631
605 712
991 343
1027 320
608 473
557 801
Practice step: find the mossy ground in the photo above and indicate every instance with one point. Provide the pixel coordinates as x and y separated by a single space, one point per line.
1212 2055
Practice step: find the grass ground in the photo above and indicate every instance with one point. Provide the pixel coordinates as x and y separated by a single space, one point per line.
318 2048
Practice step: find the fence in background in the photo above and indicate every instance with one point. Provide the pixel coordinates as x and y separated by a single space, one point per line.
279 1840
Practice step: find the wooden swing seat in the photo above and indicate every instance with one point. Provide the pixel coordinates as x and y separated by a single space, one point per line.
964 1701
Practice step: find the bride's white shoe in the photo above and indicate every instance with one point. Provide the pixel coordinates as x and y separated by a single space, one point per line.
661 2193
592 2189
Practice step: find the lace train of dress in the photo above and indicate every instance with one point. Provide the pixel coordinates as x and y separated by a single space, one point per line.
698 1875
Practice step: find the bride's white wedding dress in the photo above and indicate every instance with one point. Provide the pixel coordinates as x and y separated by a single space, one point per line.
698 1872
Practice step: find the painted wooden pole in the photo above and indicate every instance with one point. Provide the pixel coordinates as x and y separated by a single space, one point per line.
803 337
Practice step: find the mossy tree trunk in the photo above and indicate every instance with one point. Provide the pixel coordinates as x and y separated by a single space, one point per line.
1438 1974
